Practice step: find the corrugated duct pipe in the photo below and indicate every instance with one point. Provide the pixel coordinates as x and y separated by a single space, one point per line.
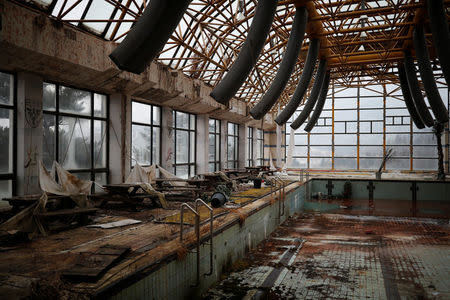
407 97
415 91
320 103
286 67
254 43
303 84
149 35
427 76
441 35
320 77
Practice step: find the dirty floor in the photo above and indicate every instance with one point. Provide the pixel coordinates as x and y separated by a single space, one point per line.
335 256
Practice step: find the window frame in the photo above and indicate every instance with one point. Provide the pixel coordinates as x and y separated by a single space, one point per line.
217 133
235 137
261 140
151 125
189 130
12 176
250 139
92 118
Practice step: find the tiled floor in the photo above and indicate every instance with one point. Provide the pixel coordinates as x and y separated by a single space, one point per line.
331 256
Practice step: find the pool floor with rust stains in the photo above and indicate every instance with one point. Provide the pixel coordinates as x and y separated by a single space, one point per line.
337 256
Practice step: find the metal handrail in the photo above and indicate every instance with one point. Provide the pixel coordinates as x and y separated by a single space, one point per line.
281 195
197 233
211 230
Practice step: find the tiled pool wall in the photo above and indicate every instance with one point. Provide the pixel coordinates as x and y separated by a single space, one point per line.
173 280
401 198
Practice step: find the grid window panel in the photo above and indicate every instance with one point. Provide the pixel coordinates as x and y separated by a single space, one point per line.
75 130
185 132
358 122
145 133
233 146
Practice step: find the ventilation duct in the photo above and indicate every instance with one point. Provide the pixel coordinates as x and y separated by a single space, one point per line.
426 74
320 103
414 89
305 79
407 97
286 67
441 35
318 82
149 35
249 53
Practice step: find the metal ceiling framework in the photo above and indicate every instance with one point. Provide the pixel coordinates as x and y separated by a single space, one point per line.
362 39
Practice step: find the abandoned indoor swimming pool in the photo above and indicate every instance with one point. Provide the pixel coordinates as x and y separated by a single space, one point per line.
306 242
224 149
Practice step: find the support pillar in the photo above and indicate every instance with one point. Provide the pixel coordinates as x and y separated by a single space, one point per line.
167 139
29 132
202 144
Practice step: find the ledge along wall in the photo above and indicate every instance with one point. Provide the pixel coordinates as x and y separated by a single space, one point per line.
173 279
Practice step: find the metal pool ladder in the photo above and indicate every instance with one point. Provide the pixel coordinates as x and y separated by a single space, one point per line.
211 233
197 233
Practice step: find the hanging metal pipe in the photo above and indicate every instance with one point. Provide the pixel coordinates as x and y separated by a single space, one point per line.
149 34
320 77
415 91
427 76
287 65
303 84
320 103
440 34
407 97
257 35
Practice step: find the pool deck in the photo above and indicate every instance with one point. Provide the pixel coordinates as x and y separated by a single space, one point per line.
34 268
345 256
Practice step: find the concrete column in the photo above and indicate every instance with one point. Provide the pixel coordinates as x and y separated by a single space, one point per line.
202 143
167 139
119 138
29 132
242 145
223 143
